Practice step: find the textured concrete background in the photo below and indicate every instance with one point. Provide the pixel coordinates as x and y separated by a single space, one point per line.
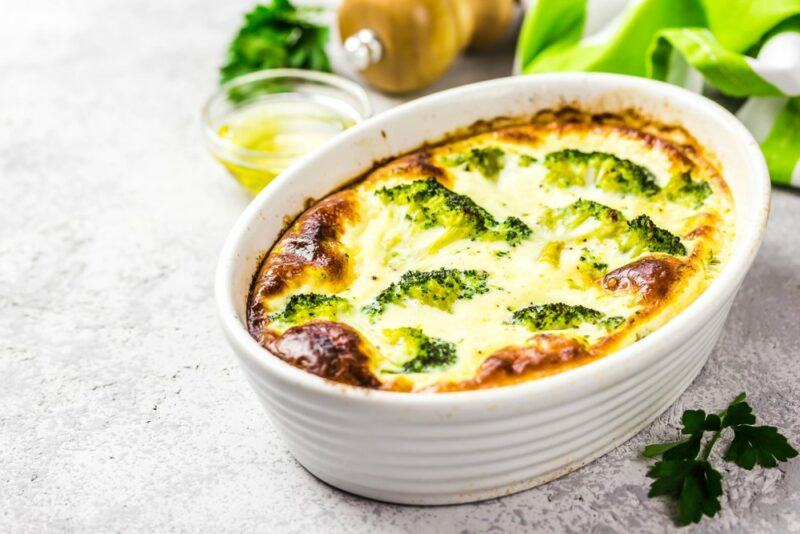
121 406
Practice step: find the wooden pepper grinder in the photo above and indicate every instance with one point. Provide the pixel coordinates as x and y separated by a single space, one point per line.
402 45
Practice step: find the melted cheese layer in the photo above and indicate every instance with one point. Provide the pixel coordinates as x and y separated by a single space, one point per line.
381 243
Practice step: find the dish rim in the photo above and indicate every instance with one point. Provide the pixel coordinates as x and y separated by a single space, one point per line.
628 360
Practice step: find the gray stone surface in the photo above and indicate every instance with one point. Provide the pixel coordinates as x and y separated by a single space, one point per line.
121 406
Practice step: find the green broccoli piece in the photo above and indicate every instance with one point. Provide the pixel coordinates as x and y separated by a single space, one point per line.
560 316
580 211
487 161
589 263
681 188
439 288
611 323
304 307
526 160
513 231
431 204
644 235
637 235
567 168
426 352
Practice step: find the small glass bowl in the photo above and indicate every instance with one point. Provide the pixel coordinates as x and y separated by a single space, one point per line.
292 99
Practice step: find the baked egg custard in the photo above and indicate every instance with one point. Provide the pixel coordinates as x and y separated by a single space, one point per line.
497 258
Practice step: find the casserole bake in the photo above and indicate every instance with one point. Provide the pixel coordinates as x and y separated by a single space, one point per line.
461 446
591 231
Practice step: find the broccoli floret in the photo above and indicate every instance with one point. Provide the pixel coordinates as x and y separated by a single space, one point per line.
581 210
439 288
304 307
431 204
681 188
644 235
426 352
513 231
526 160
560 316
637 235
487 161
589 264
567 168
611 323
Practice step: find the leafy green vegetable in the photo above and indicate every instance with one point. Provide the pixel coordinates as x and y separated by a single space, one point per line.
657 449
694 483
685 474
277 35
304 307
439 288
430 204
751 445
695 423
762 445
560 316
426 352
487 161
570 167
681 188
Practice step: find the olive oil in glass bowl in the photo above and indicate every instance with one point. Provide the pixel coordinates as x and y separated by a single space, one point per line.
258 124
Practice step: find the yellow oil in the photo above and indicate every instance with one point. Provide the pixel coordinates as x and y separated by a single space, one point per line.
265 137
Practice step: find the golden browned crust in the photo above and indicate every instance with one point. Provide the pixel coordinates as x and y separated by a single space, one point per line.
312 243
655 280
413 166
544 354
331 350
652 277
523 135
703 225
523 130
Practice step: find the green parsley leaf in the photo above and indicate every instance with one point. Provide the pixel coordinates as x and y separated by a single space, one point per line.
694 483
739 413
657 449
762 445
686 475
693 421
686 450
277 35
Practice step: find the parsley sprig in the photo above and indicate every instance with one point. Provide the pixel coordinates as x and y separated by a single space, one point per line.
684 471
274 35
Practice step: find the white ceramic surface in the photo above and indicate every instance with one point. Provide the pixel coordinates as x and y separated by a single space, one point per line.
473 445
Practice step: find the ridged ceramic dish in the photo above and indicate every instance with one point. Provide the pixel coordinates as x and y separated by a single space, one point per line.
467 446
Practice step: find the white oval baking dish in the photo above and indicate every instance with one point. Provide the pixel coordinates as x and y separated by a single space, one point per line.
467 446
